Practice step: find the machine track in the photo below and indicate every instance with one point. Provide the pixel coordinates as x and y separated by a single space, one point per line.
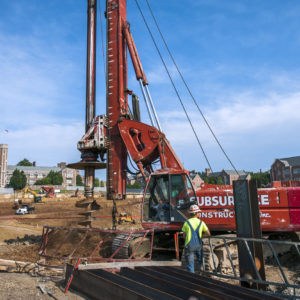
129 247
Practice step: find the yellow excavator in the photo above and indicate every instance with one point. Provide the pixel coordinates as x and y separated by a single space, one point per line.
35 195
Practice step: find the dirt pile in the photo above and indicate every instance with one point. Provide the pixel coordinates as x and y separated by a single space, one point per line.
20 236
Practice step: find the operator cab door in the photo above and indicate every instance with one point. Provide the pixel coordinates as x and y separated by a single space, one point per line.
182 192
167 198
156 206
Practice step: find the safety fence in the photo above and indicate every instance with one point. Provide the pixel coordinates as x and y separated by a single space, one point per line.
61 245
281 261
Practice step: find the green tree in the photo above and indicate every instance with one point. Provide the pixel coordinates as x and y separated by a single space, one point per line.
79 180
25 162
96 182
213 180
44 181
206 179
18 180
136 185
262 178
220 181
54 178
101 183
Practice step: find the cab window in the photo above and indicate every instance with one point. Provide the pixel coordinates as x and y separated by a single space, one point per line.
182 196
156 200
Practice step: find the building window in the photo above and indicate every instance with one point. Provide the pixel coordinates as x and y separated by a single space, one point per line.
39 175
286 172
296 171
31 175
69 181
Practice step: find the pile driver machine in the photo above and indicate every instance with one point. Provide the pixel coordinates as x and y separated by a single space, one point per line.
112 137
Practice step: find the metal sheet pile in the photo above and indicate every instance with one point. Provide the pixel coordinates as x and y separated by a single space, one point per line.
156 283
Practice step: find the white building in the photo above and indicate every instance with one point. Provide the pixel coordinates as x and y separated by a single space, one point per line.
34 173
3 164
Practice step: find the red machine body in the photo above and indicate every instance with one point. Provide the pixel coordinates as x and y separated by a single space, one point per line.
279 209
169 191
116 97
49 190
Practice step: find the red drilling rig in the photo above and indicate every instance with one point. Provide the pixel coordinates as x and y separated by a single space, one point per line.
169 191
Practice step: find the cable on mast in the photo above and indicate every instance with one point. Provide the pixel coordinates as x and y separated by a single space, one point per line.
188 89
173 84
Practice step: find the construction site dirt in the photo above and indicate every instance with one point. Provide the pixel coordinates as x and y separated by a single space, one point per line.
20 239
21 236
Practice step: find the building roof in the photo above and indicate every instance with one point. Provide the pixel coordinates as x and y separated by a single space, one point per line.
229 172
214 174
32 168
193 175
233 172
243 176
290 161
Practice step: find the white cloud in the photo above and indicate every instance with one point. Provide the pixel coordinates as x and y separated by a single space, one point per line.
254 131
41 99
46 144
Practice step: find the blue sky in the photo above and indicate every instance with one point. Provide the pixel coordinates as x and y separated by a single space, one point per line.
240 58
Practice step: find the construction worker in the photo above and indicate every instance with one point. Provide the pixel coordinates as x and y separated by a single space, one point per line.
192 232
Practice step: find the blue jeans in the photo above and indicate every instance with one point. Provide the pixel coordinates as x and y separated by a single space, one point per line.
189 256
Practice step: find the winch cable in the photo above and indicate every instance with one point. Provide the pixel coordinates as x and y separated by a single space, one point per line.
131 163
188 89
173 84
102 39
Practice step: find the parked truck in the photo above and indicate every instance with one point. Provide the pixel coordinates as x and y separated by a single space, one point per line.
25 209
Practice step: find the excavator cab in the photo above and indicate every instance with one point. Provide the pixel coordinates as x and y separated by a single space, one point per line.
167 198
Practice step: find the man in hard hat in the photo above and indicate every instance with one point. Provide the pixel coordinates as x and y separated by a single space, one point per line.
192 232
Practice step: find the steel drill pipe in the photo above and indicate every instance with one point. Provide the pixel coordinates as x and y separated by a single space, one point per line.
91 64
89 172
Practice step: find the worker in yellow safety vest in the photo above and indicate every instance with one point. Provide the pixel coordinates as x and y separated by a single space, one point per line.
192 232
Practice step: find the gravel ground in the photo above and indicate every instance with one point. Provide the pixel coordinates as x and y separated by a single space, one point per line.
15 286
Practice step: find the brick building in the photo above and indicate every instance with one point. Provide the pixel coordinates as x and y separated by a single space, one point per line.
34 173
3 164
228 176
196 179
284 169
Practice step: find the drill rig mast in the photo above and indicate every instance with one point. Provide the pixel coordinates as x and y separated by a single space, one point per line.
118 134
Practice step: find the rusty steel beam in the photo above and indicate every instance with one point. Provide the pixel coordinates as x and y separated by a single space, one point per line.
156 283
206 289
213 284
167 284
105 285
247 216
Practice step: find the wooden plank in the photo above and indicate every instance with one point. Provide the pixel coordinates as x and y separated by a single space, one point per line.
17 266
130 264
